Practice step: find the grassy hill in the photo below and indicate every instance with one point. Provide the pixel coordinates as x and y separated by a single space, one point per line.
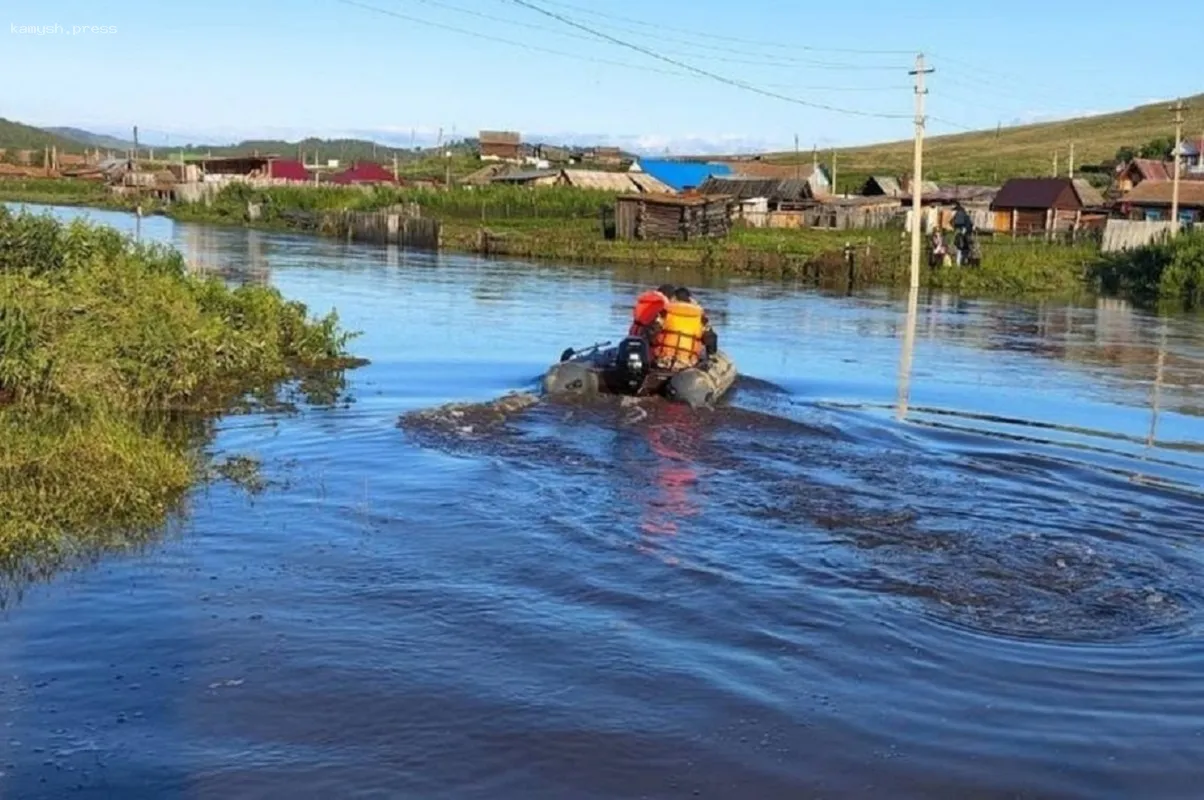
90 139
993 156
15 136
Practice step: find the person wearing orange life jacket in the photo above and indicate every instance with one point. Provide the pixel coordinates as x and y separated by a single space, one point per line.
684 335
648 309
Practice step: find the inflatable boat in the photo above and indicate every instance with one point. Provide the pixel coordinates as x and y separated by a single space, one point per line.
626 369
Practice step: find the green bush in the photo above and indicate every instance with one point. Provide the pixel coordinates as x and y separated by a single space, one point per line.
106 348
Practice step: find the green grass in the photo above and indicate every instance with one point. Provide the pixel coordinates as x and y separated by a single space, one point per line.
1164 272
986 157
113 362
56 191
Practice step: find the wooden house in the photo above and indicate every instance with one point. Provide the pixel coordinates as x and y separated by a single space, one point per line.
1037 205
881 186
815 176
1152 201
1139 170
528 177
366 172
671 217
1191 154
500 146
778 193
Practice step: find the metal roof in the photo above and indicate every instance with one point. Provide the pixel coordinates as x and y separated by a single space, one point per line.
499 137
524 175
1038 193
614 181
1089 196
680 174
1158 193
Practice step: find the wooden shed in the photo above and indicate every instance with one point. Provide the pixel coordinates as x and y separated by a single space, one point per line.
499 145
652 217
1036 205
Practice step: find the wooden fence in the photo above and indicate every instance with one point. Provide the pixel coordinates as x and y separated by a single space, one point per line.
406 228
1127 234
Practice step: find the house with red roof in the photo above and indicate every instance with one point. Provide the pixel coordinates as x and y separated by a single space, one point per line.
366 172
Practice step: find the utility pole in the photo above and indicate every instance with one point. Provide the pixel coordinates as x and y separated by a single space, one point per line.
998 131
834 192
1055 168
135 142
917 171
797 164
1070 163
1178 108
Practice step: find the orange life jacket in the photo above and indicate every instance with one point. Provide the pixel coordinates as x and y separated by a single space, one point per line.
678 343
648 307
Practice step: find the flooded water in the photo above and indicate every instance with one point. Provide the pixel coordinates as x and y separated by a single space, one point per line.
947 559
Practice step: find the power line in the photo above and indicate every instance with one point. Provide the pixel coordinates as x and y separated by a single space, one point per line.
501 40
717 37
782 61
698 70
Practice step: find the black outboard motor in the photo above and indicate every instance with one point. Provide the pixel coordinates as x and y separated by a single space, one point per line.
631 363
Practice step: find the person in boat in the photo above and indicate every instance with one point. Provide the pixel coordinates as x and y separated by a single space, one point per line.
649 308
683 337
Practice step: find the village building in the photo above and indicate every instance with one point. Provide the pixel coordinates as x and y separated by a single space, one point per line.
1139 170
1152 202
881 186
1026 206
652 217
528 177
939 204
1191 154
366 172
268 168
815 175
500 146
680 175
613 181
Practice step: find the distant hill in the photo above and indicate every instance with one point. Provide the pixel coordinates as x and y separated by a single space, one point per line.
90 139
992 156
15 136
345 150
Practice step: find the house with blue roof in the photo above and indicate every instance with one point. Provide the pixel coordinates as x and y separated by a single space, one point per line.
681 175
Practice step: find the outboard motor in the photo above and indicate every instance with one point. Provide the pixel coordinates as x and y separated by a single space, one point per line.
632 362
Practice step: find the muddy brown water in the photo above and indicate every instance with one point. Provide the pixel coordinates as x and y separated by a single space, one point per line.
975 576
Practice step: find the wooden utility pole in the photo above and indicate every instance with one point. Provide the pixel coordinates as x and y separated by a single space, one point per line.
1070 163
998 131
797 164
1178 109
917 172
834 192
1055 167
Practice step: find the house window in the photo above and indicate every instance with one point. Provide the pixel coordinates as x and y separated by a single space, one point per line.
1152 215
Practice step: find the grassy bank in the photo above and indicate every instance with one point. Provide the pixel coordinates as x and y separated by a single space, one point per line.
56 191
113 364
564 224
1164 272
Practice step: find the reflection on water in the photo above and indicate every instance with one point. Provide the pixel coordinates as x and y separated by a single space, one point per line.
906 353
949 549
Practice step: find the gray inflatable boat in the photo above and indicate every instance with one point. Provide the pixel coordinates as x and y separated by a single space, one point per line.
626 369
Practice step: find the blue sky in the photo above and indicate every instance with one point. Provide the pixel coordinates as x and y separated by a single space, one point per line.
223 70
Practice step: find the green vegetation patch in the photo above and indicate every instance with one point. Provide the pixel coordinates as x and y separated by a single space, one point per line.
112 361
